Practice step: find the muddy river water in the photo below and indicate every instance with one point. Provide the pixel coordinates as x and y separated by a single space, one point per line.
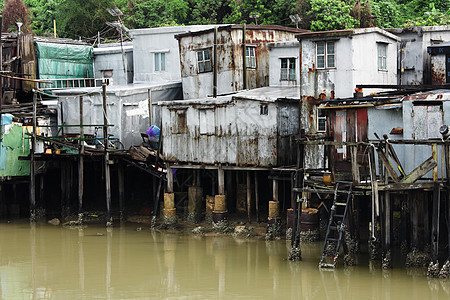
42 261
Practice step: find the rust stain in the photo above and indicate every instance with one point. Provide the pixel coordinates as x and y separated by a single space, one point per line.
331 95
322 96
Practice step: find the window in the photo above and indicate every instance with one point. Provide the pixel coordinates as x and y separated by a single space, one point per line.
204 61
250 57
264 109
160 61
180 123
321 121
288 69
382 56
325 55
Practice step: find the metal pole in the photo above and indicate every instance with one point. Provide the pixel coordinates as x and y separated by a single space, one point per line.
150 108
106 160
215 64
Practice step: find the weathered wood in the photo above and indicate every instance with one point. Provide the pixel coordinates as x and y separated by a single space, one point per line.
249 197
387 165
420 171
106 160
435 226
169 177
387 221
221 181
121 182
435 169
355 166
405 186
257 196
81 163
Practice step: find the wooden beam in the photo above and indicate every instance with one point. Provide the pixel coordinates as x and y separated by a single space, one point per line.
355 166
420 171
401 186
387 165
435 226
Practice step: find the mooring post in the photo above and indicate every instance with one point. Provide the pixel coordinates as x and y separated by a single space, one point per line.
63 189
387 263
81 164
109 221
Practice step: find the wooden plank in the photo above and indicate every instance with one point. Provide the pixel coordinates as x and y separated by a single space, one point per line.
355 166
420 171
406 186
435 169
435 226
387 165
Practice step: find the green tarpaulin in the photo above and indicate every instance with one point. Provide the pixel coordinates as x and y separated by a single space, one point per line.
64 61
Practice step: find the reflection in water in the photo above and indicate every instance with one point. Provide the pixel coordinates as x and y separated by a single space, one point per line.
42 261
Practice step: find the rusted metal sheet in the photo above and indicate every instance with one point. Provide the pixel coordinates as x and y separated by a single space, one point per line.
236 130
438 69
198 83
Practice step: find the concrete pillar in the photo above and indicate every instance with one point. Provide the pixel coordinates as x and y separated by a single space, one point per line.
273 229
209 209
170 213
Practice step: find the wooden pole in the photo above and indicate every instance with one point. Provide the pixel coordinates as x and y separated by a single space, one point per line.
244 49
63 190
121 190
387 222
169 180
81 164
150 108
33 166
215 64
221 181
106 159
249 197
256 197
435 228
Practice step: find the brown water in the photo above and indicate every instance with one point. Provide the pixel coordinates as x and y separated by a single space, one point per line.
53 262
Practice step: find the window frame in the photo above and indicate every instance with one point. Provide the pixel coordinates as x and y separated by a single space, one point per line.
320 115
327 54
159 61
263 109
382 57
204 61
289 61
250 57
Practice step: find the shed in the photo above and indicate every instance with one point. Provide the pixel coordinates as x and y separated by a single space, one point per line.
251 128
128 108
215 63
114 62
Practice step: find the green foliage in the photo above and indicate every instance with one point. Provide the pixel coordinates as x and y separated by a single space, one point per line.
330 15
85 18
155 13
388 13
43 14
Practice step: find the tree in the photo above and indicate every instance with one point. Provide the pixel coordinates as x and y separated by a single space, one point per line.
15 11
331 15
84 19
44 12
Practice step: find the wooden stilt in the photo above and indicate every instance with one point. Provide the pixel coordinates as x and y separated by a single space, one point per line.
33 165
120 174
387 222
170 180
256 197
249 197
63 190
106 160
435 227
221 181
41 192
81 163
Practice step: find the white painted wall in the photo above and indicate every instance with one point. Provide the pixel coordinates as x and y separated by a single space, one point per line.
280 50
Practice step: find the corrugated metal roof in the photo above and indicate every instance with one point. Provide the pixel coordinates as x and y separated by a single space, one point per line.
345 32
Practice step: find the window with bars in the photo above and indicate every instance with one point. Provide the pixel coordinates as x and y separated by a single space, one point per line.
325 55
204 61
288 69
382 48
160 61
250 57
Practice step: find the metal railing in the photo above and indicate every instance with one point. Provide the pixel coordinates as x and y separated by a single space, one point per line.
66 83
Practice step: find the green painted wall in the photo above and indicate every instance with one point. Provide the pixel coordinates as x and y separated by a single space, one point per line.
14 144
